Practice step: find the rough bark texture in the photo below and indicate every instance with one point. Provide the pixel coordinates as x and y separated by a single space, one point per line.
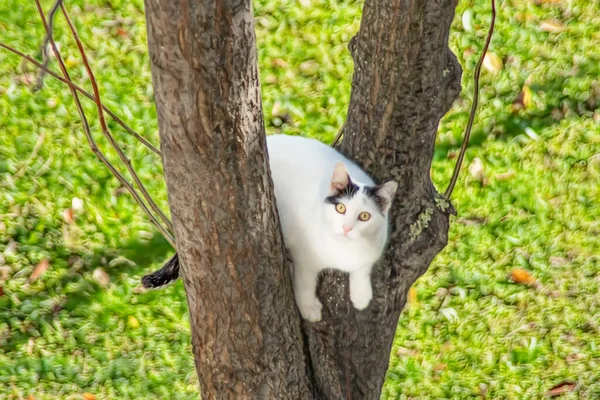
405 80
246 333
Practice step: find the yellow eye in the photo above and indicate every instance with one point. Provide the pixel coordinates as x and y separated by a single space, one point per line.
339 207
364 216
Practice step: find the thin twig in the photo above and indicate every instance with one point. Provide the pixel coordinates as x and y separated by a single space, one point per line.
105 130
167 235
118 120
338 136
465 143
44 48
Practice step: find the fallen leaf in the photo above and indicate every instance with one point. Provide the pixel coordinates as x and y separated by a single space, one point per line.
132 322
552 26
27 78
404 352
39 270
11 248
121 261
139 289
89 396
561 388
470 221
520 275
5 271
483 389
122 32
504 176
441 292
68 215
412 296
526 91
101 277
492 62
30 345
558 261
1 291
309 67
30 397
280 63
476 169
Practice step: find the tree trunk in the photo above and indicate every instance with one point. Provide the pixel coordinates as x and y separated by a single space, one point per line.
246 332
405 80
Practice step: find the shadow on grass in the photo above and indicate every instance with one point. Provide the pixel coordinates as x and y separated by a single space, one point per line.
559 101
29 310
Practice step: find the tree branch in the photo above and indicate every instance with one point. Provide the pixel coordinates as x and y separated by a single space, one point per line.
83 92
90 139
476 75
44 46
105 130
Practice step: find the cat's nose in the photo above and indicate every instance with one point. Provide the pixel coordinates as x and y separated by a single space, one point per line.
346 228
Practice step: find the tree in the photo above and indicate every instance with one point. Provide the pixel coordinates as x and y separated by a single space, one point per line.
247 336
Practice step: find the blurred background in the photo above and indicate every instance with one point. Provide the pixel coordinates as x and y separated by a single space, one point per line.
510 308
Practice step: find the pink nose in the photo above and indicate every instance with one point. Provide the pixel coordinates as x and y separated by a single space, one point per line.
347 228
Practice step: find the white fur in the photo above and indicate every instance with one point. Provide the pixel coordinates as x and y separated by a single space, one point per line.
302 171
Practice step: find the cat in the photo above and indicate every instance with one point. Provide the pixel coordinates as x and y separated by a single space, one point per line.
332 216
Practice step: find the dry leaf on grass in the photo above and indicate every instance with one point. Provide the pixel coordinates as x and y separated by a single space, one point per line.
552 26
101 277
476 169
561 388
523 100
520 275
39 270
493 63
89 396
504 176
69 215
412 296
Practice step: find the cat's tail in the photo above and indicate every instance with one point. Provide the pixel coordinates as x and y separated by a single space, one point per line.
162 277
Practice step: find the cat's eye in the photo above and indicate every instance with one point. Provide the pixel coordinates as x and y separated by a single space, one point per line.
364 216
339 207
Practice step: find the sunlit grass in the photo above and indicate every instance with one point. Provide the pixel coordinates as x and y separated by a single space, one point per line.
469 329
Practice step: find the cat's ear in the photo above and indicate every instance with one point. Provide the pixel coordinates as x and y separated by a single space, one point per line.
386 193
340 178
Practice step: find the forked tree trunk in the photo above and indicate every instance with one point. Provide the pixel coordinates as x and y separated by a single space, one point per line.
248 339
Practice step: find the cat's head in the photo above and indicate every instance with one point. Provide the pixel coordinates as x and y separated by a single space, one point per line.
354 210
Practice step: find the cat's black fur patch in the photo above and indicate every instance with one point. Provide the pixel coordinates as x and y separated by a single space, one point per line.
372 192
162 277
350 190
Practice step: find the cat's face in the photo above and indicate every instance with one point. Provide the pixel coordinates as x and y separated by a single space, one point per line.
356 211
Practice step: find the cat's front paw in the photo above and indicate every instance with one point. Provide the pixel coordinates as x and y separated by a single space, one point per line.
361 298
311 309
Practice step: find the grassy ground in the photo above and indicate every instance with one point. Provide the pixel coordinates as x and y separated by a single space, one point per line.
530 202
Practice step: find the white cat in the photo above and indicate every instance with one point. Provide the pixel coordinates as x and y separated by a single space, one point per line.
332 216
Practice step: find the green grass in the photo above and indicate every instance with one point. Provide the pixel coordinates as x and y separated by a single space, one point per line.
467 329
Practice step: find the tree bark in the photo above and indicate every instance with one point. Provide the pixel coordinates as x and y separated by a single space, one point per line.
405 80
246 334
247 337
